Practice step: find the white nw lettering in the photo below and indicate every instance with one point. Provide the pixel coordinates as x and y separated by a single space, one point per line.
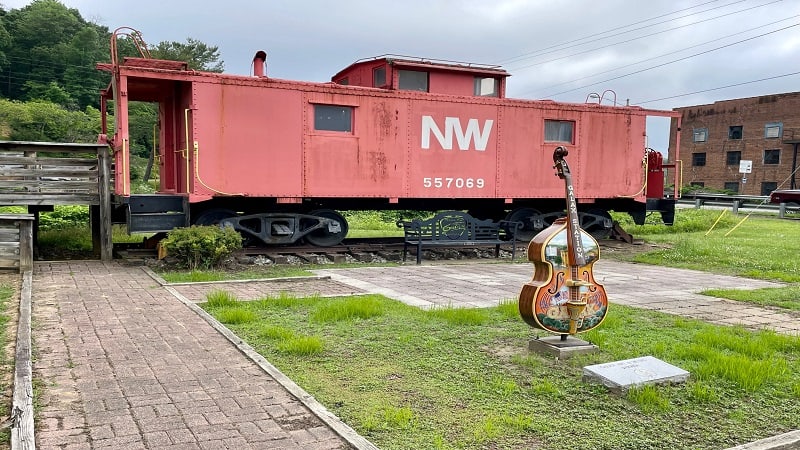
452 127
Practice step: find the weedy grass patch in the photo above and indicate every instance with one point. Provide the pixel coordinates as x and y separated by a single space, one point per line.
444 379
256 272
234 315
351 308
219 299
7 292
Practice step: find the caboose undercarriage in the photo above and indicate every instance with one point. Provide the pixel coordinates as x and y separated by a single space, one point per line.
263 221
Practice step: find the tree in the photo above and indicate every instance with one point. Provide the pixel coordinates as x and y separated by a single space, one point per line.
48 122
50 43
199 55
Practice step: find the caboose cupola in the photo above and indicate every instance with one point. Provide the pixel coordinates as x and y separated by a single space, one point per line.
404 73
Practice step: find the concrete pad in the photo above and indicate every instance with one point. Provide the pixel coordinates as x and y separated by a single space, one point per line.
561 348
619 376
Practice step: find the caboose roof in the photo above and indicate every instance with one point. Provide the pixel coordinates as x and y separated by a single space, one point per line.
441 65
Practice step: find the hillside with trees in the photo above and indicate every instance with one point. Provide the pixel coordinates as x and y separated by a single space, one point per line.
49 86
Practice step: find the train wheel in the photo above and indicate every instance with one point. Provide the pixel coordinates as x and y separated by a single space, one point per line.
324 237
213 216
597 222
531 225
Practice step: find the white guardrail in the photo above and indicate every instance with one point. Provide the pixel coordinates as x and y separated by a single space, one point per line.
746 203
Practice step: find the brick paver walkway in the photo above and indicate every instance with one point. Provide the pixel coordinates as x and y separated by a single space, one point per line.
123 364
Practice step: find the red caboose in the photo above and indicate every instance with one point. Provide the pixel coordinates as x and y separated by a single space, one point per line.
277 158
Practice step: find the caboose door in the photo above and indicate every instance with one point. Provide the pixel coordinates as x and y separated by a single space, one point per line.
183 151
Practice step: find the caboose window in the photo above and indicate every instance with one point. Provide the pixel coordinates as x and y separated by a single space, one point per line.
559 131
412 80
333 118
379 76
487 87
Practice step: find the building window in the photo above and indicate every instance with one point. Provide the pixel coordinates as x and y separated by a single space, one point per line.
700 135
733 158
697 183
773 130
732 186
698 159
412 80
772 156
735 132
333 118
379 76
344 81
559 131
768 186
487 87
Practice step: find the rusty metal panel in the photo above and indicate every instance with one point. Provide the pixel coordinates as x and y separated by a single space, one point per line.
248 140
369 161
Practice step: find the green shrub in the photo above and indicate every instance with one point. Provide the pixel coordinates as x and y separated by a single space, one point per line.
66 216
202 246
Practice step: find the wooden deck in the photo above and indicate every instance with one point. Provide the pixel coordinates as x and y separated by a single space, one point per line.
39 175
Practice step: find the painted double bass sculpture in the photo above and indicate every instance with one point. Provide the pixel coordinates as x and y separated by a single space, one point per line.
563 296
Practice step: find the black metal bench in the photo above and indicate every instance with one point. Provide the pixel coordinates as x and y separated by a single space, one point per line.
456 229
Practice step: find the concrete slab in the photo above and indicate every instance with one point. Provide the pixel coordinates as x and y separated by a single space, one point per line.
561 348
619 376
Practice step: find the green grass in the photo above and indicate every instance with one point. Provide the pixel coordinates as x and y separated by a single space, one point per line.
787 297
444 379
348 309
7 293
300 345
76 242
758 248
233 315
198 276
221 299
369 224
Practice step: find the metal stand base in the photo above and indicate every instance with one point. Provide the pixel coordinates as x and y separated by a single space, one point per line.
561 347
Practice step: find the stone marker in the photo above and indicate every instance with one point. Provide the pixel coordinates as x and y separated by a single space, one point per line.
619 376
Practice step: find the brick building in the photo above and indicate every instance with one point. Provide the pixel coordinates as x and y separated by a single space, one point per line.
716 138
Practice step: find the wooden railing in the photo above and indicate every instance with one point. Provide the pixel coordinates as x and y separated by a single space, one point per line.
16 241
37 174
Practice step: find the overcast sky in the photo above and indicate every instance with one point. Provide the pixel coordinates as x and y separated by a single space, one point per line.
558 49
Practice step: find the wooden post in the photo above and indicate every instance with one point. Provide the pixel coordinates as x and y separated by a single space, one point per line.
25 245
104 190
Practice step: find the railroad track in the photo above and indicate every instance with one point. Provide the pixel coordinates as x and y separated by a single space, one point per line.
361 250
